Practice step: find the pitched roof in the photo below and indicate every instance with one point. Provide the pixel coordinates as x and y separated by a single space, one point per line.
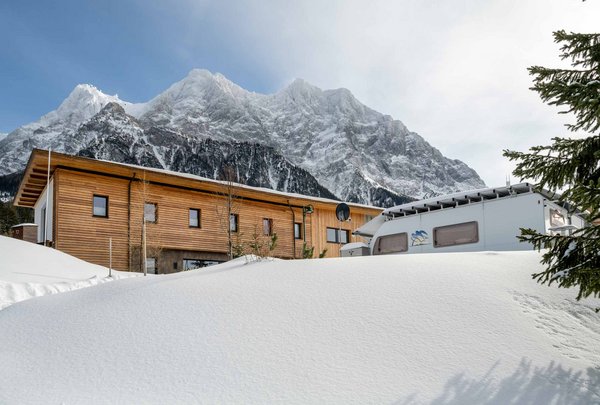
36 174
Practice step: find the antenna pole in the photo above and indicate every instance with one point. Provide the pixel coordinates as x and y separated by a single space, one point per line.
47 199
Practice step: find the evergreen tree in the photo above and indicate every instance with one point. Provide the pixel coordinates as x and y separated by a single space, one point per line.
11 215
571 166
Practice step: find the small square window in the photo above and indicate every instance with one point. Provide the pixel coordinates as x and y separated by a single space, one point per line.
331 235
297 230
394 243
194 218
343 236
267 226
150 212
338 236
233 222
100 206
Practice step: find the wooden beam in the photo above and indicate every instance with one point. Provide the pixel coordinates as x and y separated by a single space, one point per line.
33 186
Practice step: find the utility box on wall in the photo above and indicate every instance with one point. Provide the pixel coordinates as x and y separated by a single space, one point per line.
355 249
26 232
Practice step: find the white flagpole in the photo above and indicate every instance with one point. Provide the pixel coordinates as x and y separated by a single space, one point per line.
47 199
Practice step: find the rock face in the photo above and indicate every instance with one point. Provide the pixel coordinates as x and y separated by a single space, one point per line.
114 135
301 139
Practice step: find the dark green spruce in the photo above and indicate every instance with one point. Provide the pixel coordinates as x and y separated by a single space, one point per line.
571 166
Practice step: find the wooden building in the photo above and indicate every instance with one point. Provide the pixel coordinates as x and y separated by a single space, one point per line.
186 219
26 232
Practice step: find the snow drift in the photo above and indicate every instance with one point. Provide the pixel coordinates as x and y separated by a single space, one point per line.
29 270
460 328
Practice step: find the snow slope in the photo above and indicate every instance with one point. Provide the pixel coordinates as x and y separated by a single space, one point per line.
29 270
457 328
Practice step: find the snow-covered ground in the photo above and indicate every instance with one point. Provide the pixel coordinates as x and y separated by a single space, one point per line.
457 328
28 270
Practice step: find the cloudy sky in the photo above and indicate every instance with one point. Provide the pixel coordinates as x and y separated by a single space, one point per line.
453 71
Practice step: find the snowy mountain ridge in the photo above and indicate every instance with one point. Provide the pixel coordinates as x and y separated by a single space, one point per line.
358 154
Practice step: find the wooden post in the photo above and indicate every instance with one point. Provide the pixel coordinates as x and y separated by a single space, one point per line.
144 246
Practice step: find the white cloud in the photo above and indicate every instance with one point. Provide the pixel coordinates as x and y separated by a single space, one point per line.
453 71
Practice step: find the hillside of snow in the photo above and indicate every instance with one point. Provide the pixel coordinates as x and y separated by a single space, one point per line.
28 270
456 328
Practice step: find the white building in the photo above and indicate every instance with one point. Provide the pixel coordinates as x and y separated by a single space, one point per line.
478 220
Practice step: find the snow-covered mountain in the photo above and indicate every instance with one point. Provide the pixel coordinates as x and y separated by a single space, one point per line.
204 121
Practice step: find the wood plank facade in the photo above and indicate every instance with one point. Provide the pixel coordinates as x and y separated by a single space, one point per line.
75 181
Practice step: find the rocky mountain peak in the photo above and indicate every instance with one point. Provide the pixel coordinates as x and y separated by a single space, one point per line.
356 153
200 82
82 103
112 108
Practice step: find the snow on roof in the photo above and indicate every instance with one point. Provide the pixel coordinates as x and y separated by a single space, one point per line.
461 198
23 224
462 328
445 201
354 245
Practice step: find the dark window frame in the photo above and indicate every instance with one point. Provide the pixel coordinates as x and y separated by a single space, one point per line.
235 222
436 229
155 212
338 233
199 217
106 199
299 225
268 226
403 248
203 261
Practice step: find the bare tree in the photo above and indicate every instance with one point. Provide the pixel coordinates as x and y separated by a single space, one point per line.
144 215
227 211
262 245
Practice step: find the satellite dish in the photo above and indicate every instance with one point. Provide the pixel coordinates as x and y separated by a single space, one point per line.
342 212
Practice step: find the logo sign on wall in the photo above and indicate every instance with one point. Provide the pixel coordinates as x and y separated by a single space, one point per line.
419 237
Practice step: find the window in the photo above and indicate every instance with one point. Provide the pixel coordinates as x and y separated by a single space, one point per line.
43 227
337 235
458 234
368 218
267 226
233 222
151 265
297 230
194 218
394 243
100 206
150 212
556 218
191 264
